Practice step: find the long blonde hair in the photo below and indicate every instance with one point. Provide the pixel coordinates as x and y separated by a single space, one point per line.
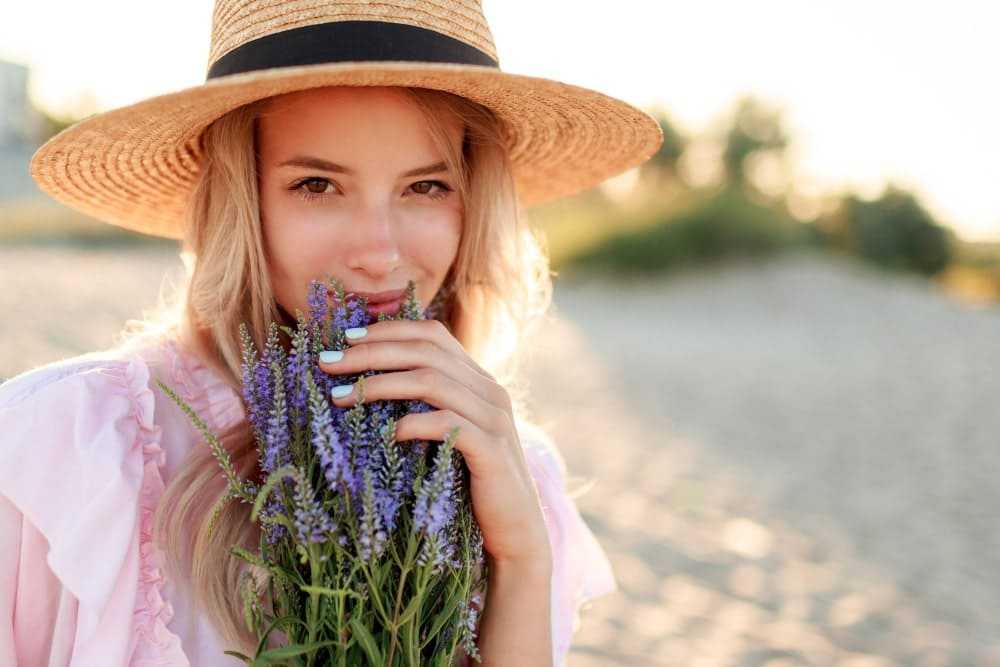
500 288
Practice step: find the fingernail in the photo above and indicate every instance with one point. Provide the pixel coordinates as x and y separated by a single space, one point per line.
341 390
355 332
330 356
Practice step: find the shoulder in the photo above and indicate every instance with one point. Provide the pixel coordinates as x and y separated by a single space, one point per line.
123 368
121 381
73 425
81 402
80 460
87 374
71 430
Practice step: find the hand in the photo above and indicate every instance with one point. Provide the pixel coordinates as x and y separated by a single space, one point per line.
440 373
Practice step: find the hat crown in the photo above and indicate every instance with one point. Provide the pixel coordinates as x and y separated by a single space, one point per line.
238 22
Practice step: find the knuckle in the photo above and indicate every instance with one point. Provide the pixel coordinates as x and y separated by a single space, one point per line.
368 356
499 419
501 395
427 349
427 377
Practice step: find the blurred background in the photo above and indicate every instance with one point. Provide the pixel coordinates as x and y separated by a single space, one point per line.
773 371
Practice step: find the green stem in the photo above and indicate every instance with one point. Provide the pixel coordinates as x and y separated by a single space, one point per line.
413 649
395 617
313 599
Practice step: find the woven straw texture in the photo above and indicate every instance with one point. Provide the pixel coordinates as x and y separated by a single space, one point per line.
235 22
134 166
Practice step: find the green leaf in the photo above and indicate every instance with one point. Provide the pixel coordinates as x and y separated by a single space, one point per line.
272 481
293 650
251 558
332 592
443 617
366 640
236 654
410 610
278 622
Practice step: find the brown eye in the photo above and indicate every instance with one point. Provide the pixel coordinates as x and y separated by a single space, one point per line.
426 188
316 186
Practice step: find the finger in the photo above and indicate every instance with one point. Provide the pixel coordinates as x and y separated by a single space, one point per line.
412 354
472 441
430 330
435 388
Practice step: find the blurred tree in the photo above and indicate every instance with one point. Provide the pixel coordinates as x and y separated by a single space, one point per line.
661 168
754 128
894 231
718 225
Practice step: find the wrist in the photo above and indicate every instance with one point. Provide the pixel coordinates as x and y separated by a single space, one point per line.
535 566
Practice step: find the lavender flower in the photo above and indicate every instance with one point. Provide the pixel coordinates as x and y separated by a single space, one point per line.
276 443
468 614
392 477
326 441
273 532
300 363
338 494
316 299
434 508
371 536
312 524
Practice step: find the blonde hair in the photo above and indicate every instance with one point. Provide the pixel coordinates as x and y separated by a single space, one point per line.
500 288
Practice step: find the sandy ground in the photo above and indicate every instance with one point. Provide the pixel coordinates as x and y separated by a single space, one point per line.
789 463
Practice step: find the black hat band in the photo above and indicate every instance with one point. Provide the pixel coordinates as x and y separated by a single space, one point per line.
345 41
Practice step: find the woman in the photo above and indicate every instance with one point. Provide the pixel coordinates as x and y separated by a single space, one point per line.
302 157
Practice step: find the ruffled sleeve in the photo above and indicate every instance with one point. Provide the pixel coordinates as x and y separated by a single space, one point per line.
581 570
80 461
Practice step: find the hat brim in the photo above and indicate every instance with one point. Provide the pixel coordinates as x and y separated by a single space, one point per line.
134 166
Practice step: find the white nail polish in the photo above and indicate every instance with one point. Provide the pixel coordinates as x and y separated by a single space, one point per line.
341 390
330 356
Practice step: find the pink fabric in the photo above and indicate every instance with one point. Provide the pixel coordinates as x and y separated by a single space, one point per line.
86 447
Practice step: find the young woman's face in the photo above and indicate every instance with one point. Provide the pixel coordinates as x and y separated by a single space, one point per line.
352 186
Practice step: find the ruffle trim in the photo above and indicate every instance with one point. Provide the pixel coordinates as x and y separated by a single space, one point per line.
220 406
154 643
202 388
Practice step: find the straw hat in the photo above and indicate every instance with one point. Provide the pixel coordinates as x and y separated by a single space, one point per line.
135 166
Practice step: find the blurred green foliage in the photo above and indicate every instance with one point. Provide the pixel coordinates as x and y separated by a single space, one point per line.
663 163
754 128
678 225
724 224
893 231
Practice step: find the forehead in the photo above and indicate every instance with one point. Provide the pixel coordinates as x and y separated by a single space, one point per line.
347 115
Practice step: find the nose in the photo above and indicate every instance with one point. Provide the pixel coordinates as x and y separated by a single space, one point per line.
374 248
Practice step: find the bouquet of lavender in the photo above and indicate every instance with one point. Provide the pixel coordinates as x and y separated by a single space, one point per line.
369 551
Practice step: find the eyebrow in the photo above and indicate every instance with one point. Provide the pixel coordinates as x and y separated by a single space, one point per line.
310 162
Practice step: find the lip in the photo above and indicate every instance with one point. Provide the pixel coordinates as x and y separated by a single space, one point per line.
380 298
387 307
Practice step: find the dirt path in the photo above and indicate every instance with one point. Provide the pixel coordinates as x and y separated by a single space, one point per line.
794 464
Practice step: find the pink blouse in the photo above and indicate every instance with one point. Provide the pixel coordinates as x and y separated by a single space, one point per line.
86 447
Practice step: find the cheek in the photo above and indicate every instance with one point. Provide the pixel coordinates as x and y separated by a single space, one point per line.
296 253
439 239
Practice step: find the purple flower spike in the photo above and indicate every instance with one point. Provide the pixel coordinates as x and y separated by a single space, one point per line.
276 443
312 524
371 536
273 532
434 509
327 442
